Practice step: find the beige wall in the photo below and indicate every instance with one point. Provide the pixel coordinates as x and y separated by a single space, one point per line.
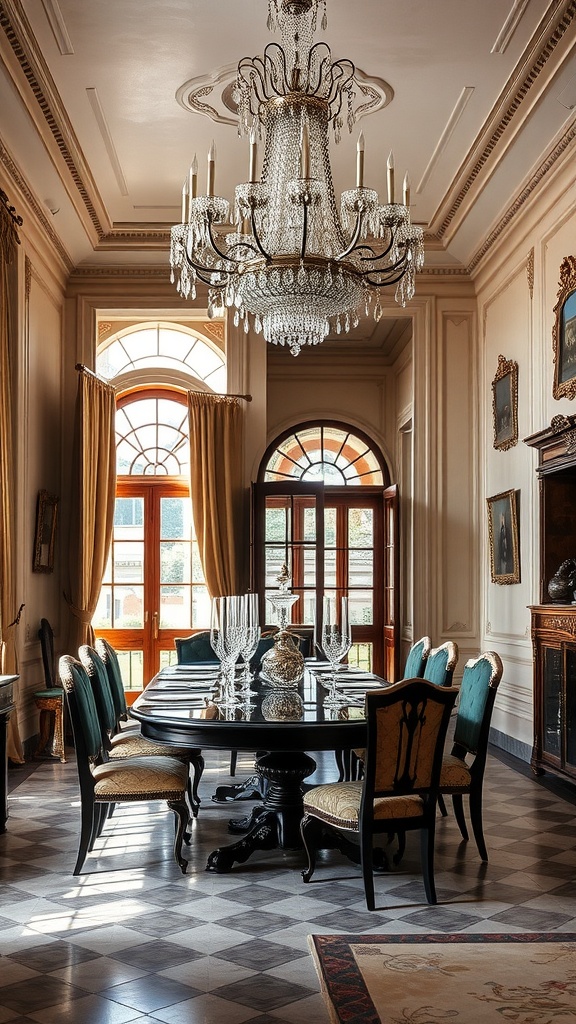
517 290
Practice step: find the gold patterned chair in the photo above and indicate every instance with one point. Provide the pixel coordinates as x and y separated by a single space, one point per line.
125 742
50 700
463 769
105 782
407 725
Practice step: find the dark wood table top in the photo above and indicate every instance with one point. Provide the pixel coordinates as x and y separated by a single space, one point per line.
180 706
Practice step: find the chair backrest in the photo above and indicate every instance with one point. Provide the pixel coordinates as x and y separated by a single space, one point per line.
480 681
46 637
82 710
110 659
440 664
416 660
194 648
407 725
98 676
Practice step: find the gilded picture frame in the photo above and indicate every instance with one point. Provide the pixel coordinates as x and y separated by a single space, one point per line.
505 404
45 534
503 534
564 332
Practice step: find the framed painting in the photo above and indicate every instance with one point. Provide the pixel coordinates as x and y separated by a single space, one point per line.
45 536
564 332
505 404
503 537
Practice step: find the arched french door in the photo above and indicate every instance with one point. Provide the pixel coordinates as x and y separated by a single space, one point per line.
323 505
153 589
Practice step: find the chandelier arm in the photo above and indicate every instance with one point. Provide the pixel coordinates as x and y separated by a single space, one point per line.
375 255
217 250
387 282
256 237
271 70
352 245
324 62
401 262
342 76
240 245
200 269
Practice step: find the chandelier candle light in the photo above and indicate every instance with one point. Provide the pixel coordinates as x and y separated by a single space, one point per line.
295 265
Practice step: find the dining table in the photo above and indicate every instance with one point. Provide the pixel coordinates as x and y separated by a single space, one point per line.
184 705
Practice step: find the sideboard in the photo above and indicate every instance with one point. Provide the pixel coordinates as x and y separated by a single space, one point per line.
6 707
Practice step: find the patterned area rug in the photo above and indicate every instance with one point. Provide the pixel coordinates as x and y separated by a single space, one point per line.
465 979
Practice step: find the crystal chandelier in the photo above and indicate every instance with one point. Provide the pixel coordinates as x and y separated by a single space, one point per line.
293 264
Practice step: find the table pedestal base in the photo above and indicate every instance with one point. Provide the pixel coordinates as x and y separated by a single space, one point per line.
276 824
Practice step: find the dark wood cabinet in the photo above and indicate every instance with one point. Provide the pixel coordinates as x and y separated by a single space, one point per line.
554 640
554 624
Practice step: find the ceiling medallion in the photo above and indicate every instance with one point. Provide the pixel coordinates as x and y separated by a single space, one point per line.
296 267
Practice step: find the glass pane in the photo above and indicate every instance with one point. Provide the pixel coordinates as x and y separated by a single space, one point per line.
107 578
274 560
360 568
360 604
132 669
200 608
360 656
360 528
309 555
102 618
330 568
276 525
309 524
570 684
552 700
197 570
330 527
167 658
128 607
174 562
129 513
175 608
128 561
174 520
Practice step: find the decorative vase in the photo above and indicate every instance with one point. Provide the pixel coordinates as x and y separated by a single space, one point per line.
283 664
283 705
561 586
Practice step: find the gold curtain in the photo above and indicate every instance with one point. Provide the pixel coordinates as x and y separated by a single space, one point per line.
216 448
8 609
93 497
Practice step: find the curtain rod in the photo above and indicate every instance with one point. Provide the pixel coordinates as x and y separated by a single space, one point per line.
84 369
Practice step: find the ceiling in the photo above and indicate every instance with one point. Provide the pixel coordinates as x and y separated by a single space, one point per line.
99 111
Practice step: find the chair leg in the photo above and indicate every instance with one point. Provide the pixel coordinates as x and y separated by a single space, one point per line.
367 869
198 768
476 820
58 739
311 831
442 805
427 857
182 813
233 762
459 815
86 829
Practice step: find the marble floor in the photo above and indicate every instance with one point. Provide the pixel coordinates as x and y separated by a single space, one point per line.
132 939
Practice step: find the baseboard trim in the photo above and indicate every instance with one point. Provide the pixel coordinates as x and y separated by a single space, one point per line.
512 746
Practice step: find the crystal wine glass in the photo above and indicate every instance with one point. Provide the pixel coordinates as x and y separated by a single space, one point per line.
336 642
250 637
226 638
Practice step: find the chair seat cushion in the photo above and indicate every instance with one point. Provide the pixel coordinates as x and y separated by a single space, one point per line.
55 692
455 773
140 778
131 745
338 803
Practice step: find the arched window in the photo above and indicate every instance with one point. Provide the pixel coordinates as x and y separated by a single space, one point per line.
154 588
323 507
324 451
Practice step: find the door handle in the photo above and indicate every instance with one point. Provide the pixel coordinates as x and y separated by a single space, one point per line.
155 625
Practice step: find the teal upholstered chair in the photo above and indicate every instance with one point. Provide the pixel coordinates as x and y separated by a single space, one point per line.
407 725
194 648
50 699
125 743
416 659
105 782
440 664
110 659
463 769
